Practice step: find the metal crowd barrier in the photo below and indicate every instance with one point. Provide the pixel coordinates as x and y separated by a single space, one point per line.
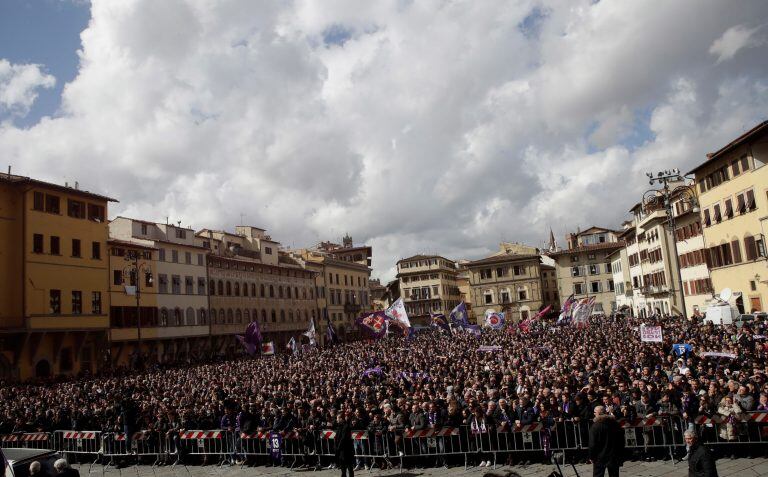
86 443
660 435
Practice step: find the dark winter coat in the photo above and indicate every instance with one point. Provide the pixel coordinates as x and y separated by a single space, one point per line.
606 441
345 449
700 462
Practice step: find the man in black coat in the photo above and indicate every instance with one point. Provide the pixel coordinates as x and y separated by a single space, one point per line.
606 444
345 449
700 461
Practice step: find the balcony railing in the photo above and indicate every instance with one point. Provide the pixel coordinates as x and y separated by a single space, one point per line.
654 290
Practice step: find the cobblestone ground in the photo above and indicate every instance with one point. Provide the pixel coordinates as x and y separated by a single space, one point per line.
725 468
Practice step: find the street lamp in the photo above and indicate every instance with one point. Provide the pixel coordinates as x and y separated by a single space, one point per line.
655 199
135 267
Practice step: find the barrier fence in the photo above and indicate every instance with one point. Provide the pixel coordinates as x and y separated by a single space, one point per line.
656 436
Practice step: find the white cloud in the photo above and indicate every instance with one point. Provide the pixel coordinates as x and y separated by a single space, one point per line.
437 127
19 84
734 39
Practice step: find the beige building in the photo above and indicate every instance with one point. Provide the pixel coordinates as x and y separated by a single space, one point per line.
549 293
506 282
428 284
250 279
344 285
733 195
691 251
584 268
180 329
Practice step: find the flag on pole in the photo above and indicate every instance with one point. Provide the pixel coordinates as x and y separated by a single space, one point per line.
396 312
293 346
268 348
310 333
439 321
330 332
251 339
459 314
494 319
542 313
373 323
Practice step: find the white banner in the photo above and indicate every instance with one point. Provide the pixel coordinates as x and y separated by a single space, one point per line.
650 334
712 354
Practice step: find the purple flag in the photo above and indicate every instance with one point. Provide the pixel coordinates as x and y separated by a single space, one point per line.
373 323
253 333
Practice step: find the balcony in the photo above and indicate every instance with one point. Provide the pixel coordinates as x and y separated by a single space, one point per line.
654 290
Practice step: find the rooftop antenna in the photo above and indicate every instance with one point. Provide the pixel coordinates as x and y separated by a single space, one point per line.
242 218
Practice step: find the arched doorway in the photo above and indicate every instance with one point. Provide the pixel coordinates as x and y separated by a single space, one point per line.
43 369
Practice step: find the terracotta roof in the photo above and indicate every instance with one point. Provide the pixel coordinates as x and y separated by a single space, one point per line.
759 129
15 179
506 257
589 248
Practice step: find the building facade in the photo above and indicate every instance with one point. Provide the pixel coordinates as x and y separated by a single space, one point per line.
622 282
428 284
250 279
584 268
732 186
53 281
549 294
178 327
691 251
506 282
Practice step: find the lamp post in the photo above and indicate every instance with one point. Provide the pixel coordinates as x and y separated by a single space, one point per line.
136 267
657 198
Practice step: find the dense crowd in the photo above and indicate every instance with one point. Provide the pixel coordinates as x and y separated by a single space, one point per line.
433 379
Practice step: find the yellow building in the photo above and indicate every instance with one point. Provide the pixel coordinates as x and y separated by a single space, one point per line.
733 195
506 282
53 281
428 284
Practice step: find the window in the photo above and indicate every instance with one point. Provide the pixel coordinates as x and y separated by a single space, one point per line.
500 272
54 302
117 277
518 270
38 201
37 243
96 251
188 258
181 233
76 209
95 213
735 168
594 269
590 256
268 250
611 286
574 258
77 302
200 286
200 259
717 217
522 295
148 279
52 203
161 255
55 245
96 303
576 271
595 287
609 269
488 298
144 230
189 286
485 273
578 288
175 256
744 163
163 287
751 205
728 208
707 220
75 247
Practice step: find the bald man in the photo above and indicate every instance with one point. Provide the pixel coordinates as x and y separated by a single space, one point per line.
606 444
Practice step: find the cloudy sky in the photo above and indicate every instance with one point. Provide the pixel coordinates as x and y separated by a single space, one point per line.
430 126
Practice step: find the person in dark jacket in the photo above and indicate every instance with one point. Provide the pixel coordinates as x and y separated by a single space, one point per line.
700 460
345 449
606 444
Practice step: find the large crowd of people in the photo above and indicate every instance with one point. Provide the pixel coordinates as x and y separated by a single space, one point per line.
434 379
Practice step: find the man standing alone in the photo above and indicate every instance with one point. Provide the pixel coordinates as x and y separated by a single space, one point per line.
606 444
700 461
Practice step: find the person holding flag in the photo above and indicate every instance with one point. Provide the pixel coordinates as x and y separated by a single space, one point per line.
459 315
439 321
396 312
293 346
310 333
330 333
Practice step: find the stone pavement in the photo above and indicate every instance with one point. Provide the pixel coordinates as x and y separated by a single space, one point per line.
725 468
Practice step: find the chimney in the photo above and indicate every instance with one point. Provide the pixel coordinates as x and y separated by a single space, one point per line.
77 185
9 170
66 184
